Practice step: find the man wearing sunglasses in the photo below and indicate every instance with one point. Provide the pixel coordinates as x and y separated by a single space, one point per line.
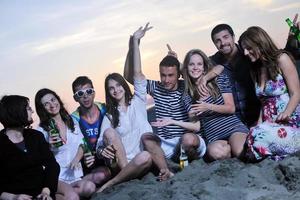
89 115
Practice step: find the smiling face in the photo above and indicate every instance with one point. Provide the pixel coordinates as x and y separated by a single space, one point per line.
224 42
51 104
251 52
87 99
169 77
195 66
116 90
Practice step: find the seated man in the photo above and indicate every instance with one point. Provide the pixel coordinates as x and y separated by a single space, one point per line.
167 95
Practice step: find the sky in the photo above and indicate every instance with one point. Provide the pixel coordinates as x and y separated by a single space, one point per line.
47 44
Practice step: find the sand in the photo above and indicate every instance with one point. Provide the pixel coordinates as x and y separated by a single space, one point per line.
228 179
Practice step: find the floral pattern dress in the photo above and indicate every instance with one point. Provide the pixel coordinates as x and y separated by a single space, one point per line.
270 138
274 99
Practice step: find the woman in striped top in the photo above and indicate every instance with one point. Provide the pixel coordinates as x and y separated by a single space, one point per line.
224 133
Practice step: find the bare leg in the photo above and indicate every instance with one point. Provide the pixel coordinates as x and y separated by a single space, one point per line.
84 188
237 141
66 191
152 145
135 168
190 143
112 137
99 175
219 150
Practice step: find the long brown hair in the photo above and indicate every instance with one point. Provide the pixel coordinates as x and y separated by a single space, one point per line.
260 42
111 103
190 86
45 116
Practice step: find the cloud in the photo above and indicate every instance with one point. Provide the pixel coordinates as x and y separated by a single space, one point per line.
146 56
285 7
259 3
87 36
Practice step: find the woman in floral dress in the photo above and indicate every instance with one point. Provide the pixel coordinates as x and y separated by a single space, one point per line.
277 86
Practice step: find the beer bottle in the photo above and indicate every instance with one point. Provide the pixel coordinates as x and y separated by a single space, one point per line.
53 131
85 146
113 162
183 159
293 28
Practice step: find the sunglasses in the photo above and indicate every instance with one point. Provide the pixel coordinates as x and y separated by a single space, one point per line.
81 93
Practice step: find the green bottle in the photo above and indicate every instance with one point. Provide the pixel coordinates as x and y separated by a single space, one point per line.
85 146
53 131
114 162
293 28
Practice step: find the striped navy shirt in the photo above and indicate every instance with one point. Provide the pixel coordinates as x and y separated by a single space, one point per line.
217 126
169 104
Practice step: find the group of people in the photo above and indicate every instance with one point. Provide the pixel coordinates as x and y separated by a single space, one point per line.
244 102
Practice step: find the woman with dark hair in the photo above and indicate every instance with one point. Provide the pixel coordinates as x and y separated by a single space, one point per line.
128 116
28 168
277 86
65 145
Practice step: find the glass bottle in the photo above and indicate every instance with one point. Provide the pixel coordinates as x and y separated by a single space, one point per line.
53 132
183 159
293 28
85 146
113 162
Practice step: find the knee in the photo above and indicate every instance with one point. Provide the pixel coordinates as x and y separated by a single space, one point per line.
148 138
143 159
88 189
71 196
219 152
110 134
190 140
101 176
237 152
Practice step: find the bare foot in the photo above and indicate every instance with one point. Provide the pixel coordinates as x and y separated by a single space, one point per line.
165 174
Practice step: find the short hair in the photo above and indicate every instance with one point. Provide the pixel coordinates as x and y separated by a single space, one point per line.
219 28
13 112
170 61
81 80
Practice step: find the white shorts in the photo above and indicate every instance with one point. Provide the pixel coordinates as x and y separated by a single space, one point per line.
168 146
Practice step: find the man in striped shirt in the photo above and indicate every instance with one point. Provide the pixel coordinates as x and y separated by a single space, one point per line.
167 94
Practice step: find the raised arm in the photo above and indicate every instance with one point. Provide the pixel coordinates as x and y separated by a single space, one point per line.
137 68
128 66
293 44
134 52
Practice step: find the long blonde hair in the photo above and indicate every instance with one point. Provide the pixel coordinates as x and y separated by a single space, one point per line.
190 86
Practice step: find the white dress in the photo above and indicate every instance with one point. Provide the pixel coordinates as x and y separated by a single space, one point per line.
133 122
66 153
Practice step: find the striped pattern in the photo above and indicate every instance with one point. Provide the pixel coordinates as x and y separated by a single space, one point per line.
168 104
218 126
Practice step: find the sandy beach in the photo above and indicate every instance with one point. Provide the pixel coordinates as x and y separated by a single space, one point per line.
229 179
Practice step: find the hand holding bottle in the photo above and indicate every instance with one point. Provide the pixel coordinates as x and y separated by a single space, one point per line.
54 136
294 27
88 159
